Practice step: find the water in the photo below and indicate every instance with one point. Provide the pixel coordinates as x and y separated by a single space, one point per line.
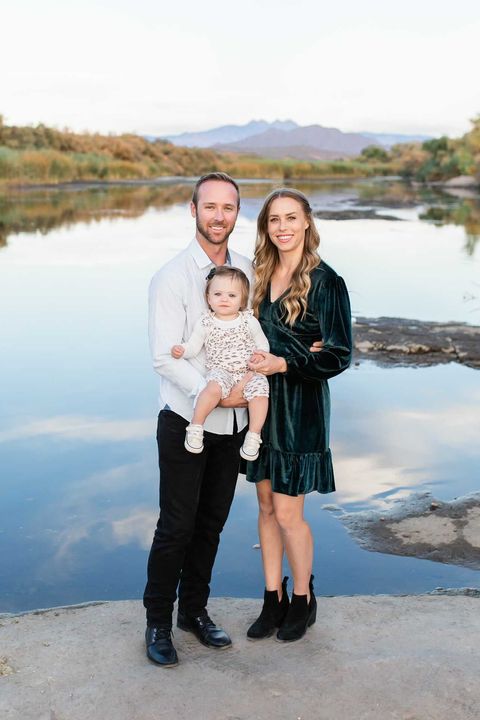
78 412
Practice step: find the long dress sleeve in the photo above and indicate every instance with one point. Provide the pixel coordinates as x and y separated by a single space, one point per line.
331 305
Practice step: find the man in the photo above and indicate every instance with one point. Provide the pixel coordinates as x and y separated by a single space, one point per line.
196 490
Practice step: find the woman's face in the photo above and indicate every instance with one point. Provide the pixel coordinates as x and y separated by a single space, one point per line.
287 224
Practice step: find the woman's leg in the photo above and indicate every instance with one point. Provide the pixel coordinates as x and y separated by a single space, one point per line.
297 537
271 541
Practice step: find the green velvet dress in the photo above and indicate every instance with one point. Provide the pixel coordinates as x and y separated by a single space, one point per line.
295 455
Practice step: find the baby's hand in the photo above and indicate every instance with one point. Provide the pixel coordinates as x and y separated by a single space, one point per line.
177 351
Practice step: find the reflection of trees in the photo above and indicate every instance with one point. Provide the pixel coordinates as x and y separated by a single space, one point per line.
396 194
441 209
44 210
465 212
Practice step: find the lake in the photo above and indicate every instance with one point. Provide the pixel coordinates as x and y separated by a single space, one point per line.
79 478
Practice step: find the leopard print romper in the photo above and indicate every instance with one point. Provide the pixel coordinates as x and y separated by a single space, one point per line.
227 352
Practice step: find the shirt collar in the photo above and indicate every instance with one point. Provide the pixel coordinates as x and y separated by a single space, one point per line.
201 257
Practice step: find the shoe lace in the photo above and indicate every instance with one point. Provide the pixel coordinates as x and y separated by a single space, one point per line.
204 621
161 633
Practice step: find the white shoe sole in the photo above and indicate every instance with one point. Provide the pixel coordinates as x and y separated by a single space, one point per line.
195 451
248 457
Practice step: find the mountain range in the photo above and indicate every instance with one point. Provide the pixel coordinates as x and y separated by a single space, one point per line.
285 138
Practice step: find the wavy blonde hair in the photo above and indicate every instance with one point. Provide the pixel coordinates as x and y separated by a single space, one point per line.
294 304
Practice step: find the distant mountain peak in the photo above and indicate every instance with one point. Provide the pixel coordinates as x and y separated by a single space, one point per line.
284 138
227 134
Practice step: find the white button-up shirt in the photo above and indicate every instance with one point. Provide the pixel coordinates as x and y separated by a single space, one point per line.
176 301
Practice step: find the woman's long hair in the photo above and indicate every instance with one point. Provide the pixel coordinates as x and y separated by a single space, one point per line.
294 303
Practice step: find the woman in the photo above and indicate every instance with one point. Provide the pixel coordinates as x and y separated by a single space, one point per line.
298 299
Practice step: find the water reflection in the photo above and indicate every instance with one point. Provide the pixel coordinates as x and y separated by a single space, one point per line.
80 494
79 475
461 211
43 210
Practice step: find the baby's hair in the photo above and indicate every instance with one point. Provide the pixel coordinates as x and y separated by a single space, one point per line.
233 273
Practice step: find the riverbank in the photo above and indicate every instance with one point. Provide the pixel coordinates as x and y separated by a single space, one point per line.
376 657
399 341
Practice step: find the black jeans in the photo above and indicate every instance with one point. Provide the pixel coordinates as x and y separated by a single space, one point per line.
196 492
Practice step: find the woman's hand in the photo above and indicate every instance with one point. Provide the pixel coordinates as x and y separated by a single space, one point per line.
266 363
317 346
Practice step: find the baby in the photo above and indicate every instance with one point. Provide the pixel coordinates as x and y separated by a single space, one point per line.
229 333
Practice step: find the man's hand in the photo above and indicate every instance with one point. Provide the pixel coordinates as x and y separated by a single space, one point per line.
268 364
317 346
236 399
177 351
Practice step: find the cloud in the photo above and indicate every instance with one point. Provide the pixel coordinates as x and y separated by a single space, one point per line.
88 429
137 527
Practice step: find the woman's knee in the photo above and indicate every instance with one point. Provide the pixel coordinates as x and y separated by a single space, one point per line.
289 518
265 502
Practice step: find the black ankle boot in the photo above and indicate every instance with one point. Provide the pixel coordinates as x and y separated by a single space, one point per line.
273 614
300 616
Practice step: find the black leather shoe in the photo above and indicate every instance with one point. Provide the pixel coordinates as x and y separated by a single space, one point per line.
204 629
159 645
299 617
272 615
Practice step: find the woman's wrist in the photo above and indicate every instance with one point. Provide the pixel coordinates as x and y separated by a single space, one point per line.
283 367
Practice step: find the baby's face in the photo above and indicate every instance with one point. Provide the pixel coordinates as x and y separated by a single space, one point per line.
225 296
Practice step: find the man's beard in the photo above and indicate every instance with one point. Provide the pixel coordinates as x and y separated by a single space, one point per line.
205 233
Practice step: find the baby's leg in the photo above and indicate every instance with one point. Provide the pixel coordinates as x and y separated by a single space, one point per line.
257 413
256 394
207 400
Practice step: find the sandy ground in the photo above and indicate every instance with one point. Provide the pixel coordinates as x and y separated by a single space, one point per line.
376 657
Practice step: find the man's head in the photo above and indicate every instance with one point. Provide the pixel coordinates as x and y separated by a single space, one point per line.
215 205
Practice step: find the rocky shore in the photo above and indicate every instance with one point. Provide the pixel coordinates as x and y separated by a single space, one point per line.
366 658
399 341
420 526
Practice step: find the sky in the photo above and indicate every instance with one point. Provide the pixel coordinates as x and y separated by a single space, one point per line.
156 67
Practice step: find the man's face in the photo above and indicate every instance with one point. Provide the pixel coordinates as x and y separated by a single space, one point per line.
216 211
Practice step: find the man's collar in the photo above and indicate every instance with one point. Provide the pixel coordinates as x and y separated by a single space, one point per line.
201 257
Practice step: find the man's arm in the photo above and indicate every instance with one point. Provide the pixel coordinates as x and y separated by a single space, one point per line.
166 321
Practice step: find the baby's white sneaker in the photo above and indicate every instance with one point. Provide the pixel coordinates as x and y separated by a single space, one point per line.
251 446
194 438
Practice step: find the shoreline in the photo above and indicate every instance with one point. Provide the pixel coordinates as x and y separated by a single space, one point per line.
76 185
465 591
472 187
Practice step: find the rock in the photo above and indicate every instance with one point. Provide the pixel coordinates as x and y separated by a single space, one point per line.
5 668
400 341
378 657
419 526
461 181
